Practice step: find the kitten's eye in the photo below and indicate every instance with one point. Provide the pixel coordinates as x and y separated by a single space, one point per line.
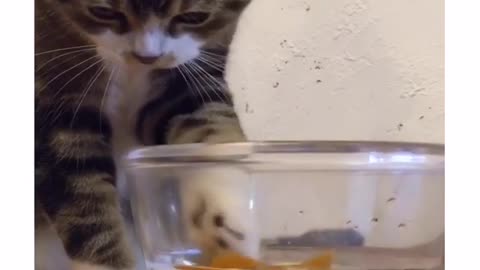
103 13
193 18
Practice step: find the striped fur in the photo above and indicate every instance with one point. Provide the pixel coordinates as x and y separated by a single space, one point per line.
80 129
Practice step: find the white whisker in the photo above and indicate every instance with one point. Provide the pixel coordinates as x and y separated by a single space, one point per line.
196 79
86 93
65 71
105 93
62 55
214 59
186 81
207 80
214 66
58 111
65 49
212 54
76 76
192 77
63 61
220 83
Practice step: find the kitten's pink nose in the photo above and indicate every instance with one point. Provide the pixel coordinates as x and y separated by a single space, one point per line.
146 59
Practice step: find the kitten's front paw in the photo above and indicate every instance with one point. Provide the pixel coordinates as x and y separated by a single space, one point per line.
219 212
215 123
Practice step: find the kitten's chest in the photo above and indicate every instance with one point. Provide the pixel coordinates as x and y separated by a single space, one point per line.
125 96
127 93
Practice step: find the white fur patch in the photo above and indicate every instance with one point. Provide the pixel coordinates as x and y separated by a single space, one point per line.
150 41
126 95
184 48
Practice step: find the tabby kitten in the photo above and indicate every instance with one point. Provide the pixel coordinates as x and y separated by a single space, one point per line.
111 75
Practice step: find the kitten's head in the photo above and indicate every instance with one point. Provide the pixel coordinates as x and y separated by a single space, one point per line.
157 33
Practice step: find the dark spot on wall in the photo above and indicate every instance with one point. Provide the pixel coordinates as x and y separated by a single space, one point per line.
276 84
391 199
374 219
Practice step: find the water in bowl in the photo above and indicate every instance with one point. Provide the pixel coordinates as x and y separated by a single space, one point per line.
351 252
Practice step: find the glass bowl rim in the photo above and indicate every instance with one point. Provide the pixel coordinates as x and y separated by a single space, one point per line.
240 150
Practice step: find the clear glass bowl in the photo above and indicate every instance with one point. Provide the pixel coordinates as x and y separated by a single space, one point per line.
376 205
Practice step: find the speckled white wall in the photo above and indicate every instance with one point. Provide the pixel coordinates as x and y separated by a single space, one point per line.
341 69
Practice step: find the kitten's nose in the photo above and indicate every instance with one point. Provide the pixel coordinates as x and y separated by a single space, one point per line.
150 59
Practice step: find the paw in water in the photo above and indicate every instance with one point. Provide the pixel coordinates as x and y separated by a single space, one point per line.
219 213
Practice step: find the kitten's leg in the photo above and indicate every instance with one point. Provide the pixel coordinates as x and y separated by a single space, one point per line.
49 252
78 193
212 123
217 202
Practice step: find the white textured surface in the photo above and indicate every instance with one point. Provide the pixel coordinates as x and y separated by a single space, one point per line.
341 69
346 70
